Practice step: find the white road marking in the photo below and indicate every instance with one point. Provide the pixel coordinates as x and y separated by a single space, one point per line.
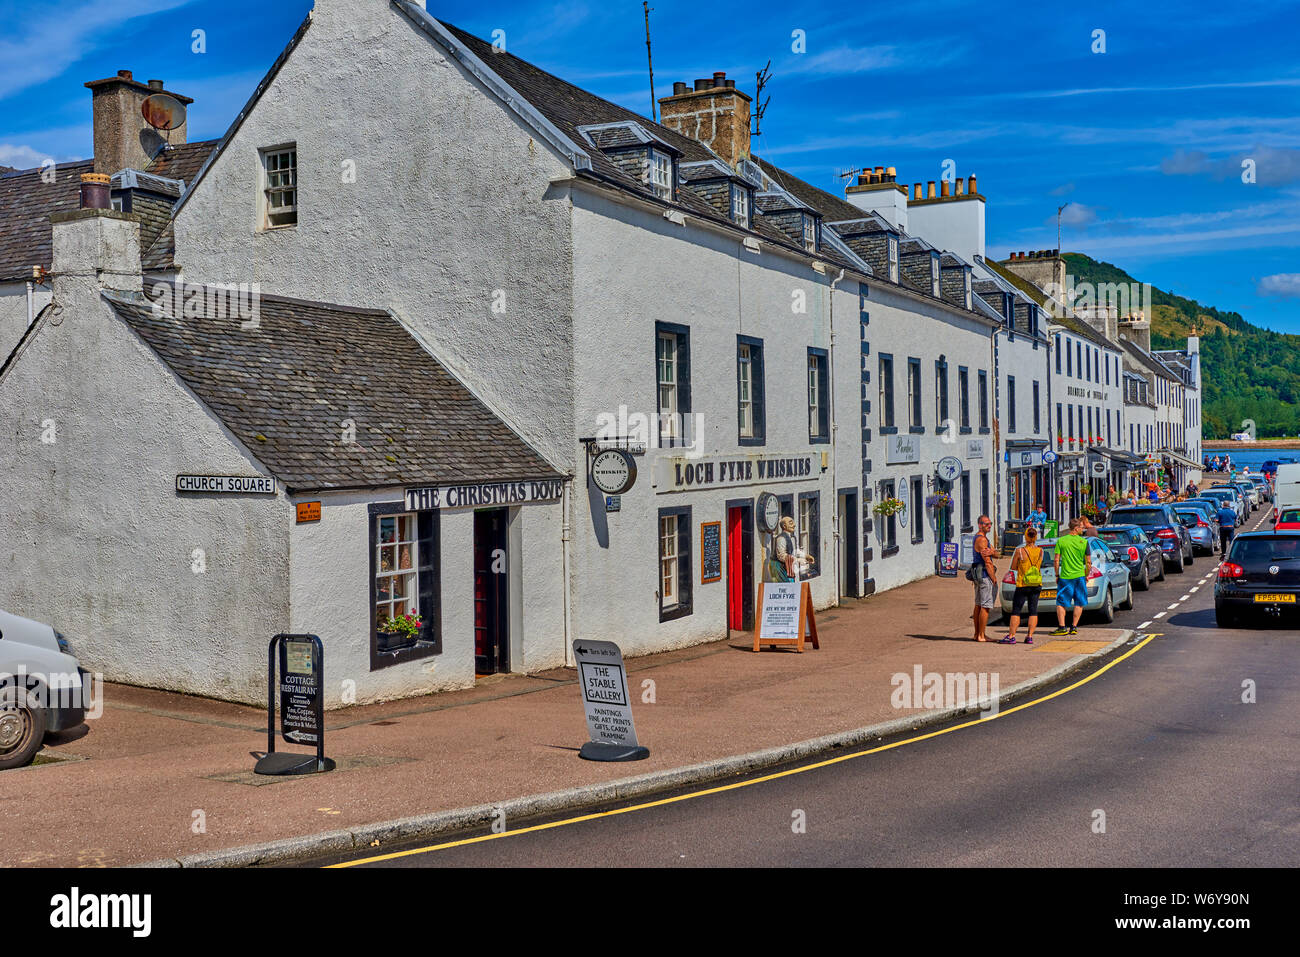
1173 606
1193 590
1144 624
1160 615
1185 597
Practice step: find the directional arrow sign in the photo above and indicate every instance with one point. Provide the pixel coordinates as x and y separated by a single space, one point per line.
604 693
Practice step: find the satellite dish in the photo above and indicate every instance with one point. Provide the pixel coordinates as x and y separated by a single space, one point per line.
163 112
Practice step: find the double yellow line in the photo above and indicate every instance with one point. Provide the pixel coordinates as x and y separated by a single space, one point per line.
803 769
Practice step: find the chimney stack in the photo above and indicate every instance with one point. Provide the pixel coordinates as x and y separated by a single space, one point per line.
123 140
714 113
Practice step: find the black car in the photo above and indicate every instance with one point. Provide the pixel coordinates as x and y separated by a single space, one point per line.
1141 555
1162 527
1260 576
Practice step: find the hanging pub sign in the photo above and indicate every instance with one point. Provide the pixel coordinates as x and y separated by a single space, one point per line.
302 705
613 471
785 616
949 468
227 484
769 512
484 494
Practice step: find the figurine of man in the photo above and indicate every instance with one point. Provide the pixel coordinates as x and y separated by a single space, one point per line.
786 553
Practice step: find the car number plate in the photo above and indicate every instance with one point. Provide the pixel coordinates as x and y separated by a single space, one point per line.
1047 594
1279 598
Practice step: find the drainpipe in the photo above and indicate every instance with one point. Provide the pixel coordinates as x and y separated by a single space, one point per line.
566 508
996 504
835 482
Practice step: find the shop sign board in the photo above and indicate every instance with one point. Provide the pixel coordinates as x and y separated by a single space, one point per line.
785 616
484 494
227 484
710 552
603 680
682 473
902 448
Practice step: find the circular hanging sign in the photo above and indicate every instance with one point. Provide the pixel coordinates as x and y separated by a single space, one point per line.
613 471
769 512
1098 468
1049 457
949 468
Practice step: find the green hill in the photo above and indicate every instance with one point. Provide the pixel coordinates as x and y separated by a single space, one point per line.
1247 372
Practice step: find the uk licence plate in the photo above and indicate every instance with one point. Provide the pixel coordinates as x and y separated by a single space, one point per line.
1290 599
1047 594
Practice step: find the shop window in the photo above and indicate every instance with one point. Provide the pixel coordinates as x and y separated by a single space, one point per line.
673 379
403 581
750 411
810 530
674 563
819 406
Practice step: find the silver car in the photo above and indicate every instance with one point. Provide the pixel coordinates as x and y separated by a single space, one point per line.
1108 582
1198 527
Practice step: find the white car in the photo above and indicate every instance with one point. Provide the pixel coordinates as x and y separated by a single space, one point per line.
42 688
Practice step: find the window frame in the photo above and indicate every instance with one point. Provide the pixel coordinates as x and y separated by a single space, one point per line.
682 359
916 493
753 348
740 205
819 392
428 584
812 531
267 209
1011 405
983 394
1038 419
685 604
963 399
889 524
655 162
885 372
915 404
940 392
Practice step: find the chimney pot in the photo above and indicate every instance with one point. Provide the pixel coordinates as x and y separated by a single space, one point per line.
972 184
124 74
155 84
95 191
879 170
703 84
679 89
943 189
961 187
891 173
929 189
916 191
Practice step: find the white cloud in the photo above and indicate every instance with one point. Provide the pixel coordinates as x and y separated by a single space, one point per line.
1283 284
21 157
39 45
1075 214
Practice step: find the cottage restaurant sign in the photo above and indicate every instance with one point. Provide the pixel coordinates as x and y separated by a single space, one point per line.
681 473
227 484
484 493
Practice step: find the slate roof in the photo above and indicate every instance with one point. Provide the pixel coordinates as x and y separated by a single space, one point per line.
1148 361
830 206
1055 314
26 202
285 388
182 162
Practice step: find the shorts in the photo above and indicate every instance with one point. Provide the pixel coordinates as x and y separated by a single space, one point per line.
1072 593
985 591
1025 594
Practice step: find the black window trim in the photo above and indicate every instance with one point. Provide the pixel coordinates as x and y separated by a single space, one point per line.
685 564
429 582
683 334
823 436
757 393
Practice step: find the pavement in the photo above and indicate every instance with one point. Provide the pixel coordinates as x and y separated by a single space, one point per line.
167 779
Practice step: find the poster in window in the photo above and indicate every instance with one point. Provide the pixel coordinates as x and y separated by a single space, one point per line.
710 552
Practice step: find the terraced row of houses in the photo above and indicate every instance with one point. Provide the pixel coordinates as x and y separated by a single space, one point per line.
343 366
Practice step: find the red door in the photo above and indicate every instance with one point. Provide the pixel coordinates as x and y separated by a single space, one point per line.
735 568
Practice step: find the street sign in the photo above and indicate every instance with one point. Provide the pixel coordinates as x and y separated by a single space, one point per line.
603 680
785 615
302 705
1049 458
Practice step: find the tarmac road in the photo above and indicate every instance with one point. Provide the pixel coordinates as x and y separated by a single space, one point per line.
1158 748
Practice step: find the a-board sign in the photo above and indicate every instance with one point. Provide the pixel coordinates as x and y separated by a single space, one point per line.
607 703
785 615
308 512
710 552
948 559
300 682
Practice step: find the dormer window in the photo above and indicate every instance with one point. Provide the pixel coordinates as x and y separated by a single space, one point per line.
893 258
740 205
810 233
661 174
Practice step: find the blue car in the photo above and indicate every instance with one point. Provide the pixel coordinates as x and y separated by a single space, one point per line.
1108 583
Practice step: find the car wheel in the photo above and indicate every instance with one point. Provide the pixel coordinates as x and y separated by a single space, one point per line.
1127 603
1143 583
1106 613
1191 558
1224 618
22 727
1178 565
1161 576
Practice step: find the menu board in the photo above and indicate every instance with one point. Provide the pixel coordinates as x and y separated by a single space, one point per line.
710 552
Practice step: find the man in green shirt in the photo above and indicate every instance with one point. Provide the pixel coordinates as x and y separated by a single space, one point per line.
1073 562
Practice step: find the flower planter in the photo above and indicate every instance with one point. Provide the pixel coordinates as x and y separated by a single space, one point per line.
392 641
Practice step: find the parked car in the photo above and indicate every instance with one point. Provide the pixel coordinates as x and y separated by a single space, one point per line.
42 688
1204 536
1263 487
1108 583
1238 500
1142 556
1162 527
1221 496
1260 576
1286 486
1249 490
1288 520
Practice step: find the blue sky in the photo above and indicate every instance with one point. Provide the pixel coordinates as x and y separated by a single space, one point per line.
1145 140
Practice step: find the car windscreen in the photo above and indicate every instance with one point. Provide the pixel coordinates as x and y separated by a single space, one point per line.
1219 495
1289 515
1281 548
1141 516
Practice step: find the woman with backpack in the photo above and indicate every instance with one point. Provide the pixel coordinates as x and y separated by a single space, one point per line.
1027 566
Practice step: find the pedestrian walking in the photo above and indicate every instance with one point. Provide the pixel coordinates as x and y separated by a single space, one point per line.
1227 527
984 573
1027 564
1073 562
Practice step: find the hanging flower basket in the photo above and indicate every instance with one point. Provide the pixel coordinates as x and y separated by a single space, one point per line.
939 501
889 506
1090 510
1062 496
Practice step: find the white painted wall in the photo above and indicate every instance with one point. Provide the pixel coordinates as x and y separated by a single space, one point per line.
956 225
449 204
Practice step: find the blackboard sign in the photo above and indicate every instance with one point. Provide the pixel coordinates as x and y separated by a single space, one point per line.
710 552
301 686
